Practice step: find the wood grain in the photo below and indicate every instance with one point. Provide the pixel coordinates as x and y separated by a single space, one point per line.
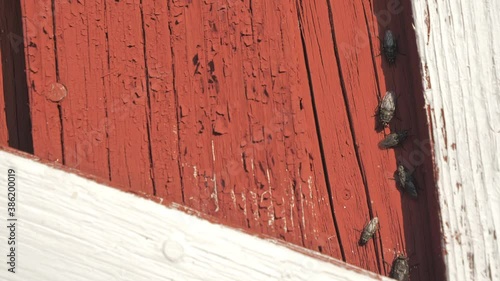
41 75
88 225
459 50
258 113
82 65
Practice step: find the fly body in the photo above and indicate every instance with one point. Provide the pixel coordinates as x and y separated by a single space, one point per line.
390 47
393 139
405 181
400 268
369 231
387 107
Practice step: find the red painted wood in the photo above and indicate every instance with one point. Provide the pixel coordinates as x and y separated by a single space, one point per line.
240 90
258 113
162 107
82 65
345 173
128 97
41 75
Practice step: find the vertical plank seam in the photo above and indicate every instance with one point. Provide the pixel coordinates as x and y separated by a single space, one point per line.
346 104
106 96
371 48
59 108
21 93
318 129
148 97
176 97
367 190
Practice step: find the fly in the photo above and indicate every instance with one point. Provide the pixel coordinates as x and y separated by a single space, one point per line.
386 108
369 231
400 268
393 139
390 47
405 181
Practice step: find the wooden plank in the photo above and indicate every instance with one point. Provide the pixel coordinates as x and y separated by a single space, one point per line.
162 107
82 65
368 187
344 174
88 225
101 125
128 97
42 79
235 110
459 47
243 92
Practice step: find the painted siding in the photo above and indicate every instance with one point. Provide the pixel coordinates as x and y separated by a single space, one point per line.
71 228
460 53
257 113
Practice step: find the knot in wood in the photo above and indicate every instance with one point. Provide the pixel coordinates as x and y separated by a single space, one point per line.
347 194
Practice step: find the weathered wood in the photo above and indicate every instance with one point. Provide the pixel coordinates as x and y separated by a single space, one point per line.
366 184
82 67
459 49
68 224
248 145
162 106
42 78
259 113
338 149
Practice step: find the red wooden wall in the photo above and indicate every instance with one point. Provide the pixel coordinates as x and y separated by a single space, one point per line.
259 113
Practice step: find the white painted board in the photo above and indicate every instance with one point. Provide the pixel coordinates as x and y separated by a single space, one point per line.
459 46
71 228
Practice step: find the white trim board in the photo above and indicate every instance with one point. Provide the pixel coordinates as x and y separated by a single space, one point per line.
459 46
71 228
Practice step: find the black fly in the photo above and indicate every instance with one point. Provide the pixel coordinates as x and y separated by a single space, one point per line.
369 231
405 181
393 139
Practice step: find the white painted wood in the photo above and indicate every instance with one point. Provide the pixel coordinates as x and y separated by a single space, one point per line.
459 46
71 228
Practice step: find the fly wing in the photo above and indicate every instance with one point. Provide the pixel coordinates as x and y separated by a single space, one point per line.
389 40
390 141
410 187
389 102
369 231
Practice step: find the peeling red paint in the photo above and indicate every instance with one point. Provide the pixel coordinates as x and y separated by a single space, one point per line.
235 110
427 22
427 77
443 129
